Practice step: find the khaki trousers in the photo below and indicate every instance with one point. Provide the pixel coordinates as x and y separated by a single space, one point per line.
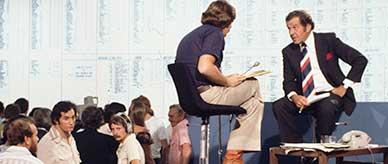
247 95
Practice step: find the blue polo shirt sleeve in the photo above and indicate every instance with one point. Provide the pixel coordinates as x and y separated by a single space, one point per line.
213 44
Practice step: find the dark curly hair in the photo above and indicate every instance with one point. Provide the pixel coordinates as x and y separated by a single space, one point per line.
62 106
219 13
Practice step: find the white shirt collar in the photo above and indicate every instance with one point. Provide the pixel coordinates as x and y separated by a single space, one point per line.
310 40
18 150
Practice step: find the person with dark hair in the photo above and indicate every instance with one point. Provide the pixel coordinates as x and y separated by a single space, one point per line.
180 148
155 127
22 141
95 147
311 71
129 150
58 145
202 50
139 128
110 110
23 104
32 111
42 119
143 100
10 111
1 111
2 120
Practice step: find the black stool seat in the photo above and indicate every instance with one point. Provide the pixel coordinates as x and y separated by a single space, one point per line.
193 104
189 98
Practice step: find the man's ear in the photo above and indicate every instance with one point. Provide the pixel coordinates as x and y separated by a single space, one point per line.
27 141
308 27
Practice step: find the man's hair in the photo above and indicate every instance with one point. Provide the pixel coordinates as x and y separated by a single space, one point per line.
1 108
121 120
41 117
17 129
145 101
91 117
179 109
11 110
303 16
138 113
23 104
111 109
62 106
219 13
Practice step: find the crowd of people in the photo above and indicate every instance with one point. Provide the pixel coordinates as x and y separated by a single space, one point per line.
66 134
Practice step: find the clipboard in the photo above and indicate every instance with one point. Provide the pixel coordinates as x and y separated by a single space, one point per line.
257 73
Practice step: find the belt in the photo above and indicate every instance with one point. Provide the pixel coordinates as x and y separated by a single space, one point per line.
203 88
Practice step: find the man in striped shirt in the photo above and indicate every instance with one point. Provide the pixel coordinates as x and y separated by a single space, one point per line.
22 137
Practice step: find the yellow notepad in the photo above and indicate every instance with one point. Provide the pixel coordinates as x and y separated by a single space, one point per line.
257 73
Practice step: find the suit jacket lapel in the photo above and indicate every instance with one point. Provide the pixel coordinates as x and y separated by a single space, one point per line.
321 50
296 58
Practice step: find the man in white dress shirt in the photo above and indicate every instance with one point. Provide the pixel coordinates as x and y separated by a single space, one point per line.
58 145
22 136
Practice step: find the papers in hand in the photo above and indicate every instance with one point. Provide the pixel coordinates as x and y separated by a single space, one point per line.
316 97
256 73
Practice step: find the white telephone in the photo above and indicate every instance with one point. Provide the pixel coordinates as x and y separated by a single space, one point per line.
355 139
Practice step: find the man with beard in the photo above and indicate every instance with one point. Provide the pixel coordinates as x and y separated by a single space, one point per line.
58 145
22 137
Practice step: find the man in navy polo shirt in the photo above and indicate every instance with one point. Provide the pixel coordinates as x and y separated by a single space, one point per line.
202 49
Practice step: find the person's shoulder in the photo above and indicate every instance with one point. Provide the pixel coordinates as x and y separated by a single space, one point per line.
183 124
210 29
35 160
324 35
105 136
45 139
288 48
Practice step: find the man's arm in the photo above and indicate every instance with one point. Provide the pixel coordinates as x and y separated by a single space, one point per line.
350 56
289 77
186 153
290 83
207 68
164 151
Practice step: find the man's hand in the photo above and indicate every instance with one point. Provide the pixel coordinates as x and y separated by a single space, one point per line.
234 80
299 101
340 91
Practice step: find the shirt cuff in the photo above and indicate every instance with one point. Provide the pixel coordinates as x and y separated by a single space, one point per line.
292 93
348 83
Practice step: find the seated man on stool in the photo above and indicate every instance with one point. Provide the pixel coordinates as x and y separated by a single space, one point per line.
202 49
310 66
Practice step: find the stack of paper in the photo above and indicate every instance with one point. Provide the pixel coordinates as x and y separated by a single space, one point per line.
304 146
256 73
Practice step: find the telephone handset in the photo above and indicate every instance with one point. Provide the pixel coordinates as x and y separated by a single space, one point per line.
355 139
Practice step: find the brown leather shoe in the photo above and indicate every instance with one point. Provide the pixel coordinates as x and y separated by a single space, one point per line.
233 157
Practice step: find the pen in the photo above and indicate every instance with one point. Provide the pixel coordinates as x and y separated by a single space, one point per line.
301 109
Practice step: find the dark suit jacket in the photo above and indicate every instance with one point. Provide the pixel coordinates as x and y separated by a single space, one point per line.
95 147
329 49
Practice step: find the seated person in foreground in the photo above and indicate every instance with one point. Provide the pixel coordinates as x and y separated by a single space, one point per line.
310 66
202 49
